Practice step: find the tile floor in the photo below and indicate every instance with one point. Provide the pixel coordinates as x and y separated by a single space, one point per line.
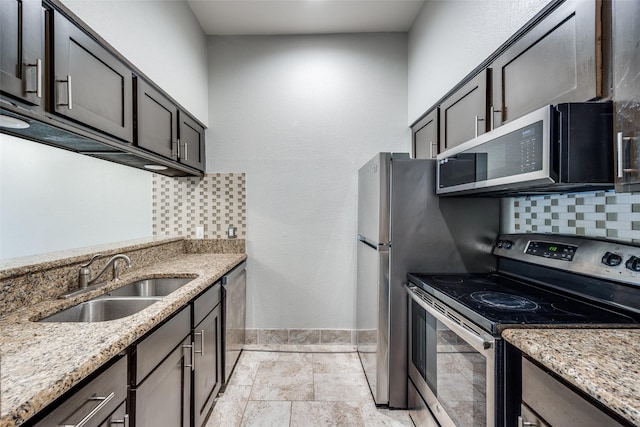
300 386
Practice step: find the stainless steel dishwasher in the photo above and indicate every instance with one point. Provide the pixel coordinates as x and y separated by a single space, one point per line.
234 300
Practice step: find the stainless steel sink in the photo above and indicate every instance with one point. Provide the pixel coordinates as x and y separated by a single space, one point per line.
102 309
151 287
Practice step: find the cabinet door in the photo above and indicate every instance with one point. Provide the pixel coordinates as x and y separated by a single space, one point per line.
164 397
559 60
626 69
22 50
463 114
91 85
425 137
156 121
207 375
191 136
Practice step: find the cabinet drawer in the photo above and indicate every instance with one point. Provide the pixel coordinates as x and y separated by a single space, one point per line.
93 402
159 343
556 403
206 302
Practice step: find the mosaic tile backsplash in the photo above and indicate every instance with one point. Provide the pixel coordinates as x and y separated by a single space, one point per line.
603 214
214 201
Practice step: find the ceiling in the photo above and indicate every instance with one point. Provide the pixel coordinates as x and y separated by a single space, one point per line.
271 17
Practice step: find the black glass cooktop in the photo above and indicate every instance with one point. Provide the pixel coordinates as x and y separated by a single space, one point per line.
494 301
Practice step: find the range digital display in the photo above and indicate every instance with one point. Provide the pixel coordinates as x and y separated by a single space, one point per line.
551 250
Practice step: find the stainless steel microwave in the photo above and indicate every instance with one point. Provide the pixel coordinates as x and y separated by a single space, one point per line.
558 148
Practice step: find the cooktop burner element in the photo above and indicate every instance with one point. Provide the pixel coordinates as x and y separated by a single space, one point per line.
506 301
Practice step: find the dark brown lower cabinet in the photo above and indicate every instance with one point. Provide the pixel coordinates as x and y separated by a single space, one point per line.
100 402
207 341
161 383
547 401
163 398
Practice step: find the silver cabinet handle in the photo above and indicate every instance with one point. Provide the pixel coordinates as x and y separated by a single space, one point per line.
69 103
476 120
124 421
104 401
523 423
620 153
431 146
38 90
201 333
184 151
492 113
174 149
193 355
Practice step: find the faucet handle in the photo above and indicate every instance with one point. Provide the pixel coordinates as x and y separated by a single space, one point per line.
93 258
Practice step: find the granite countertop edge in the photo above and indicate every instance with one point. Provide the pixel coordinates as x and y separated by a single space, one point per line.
602 363
61 355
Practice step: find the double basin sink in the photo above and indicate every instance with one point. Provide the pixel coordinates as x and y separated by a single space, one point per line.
120 302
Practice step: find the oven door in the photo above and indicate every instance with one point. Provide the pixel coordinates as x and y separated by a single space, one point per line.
452 363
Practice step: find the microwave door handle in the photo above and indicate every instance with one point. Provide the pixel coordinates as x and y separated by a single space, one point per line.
478 342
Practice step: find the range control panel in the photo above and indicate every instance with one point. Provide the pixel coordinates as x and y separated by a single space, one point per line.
551 250
599 258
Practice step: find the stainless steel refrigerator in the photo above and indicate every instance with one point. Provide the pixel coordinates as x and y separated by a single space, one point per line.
404 227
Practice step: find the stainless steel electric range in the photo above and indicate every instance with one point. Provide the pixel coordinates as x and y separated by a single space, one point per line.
458 364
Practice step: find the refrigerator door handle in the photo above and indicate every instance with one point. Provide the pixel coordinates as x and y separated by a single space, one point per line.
376 246
369 244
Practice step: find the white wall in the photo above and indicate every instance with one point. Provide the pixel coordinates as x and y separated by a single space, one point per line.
451 38
300 115
46 204
53 199
162 38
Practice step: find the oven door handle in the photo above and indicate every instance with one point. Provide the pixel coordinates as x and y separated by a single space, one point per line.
481 343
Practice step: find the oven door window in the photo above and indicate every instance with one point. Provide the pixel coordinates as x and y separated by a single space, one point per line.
454 372
462 379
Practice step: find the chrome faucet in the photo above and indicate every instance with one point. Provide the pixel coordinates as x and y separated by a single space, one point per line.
84 275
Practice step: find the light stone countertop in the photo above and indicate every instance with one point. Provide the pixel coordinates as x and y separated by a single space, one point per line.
603 363
41 361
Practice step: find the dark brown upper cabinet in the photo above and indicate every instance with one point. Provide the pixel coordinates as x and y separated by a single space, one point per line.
425 136
191 142
463 114
558 60
22 52
90 85
164 129
156 121
626 93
